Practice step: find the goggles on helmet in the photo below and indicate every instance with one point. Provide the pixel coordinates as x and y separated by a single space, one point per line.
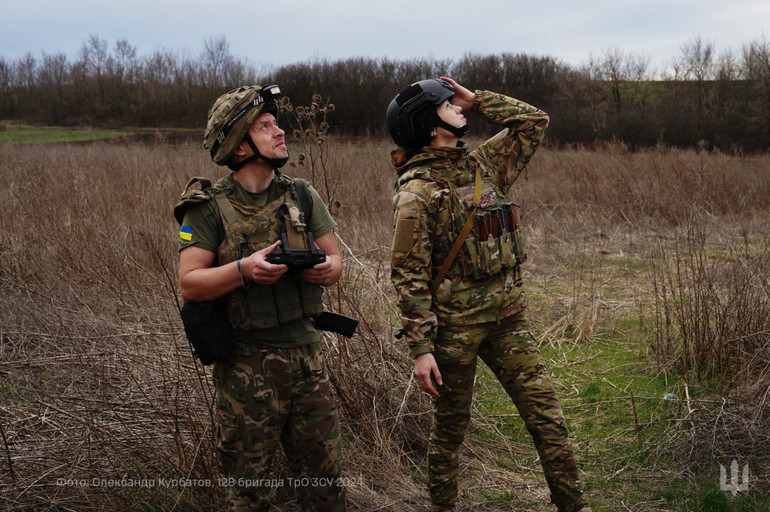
266 95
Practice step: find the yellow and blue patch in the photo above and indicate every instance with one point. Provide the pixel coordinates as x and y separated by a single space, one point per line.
186 233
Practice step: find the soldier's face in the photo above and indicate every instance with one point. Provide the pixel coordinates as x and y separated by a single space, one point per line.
451 114
268 137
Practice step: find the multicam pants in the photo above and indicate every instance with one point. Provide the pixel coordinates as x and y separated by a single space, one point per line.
265 396
510 352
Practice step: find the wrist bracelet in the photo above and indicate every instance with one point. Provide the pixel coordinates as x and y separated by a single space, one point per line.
240 271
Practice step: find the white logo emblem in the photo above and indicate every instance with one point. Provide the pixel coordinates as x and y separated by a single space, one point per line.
736 484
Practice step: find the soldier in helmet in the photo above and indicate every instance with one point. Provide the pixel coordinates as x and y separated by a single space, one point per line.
273 387
456 265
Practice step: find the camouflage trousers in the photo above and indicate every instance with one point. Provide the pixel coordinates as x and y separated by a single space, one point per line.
510 352
267 396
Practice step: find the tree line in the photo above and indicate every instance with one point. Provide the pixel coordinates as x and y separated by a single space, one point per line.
702 99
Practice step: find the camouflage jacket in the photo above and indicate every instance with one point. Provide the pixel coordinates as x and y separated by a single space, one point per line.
431 204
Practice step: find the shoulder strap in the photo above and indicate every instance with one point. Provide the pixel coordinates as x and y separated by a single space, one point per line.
230 215
305 202
226 207
461 238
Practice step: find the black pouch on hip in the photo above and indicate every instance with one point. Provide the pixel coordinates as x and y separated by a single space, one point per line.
208 329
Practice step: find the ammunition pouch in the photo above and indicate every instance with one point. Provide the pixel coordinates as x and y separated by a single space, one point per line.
208 330
495 244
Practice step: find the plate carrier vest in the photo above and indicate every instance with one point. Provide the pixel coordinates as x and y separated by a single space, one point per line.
496 242
249 228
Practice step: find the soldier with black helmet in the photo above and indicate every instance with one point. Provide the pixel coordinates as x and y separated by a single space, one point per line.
272 387
456 265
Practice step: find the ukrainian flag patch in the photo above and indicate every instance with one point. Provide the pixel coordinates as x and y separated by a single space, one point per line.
186 233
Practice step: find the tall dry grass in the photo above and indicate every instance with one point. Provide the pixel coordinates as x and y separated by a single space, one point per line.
98 388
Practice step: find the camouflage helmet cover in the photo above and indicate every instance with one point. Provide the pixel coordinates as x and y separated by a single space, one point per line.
232 114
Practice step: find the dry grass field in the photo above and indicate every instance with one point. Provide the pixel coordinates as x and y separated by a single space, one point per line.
648 275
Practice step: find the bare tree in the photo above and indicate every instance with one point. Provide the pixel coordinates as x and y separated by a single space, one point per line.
93 58
93 54
756 66
534 79
6 73
26 71
52 77
483 71
697 59
728 67
215 59
756 63
159 67
53 70
624 73
123 66
6 80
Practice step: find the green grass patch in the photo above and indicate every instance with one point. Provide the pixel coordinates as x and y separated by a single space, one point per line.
18 133
629 264
23 134
613 398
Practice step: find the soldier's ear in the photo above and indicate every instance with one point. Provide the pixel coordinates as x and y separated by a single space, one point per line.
241 149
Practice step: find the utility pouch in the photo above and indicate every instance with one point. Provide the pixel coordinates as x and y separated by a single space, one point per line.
207 328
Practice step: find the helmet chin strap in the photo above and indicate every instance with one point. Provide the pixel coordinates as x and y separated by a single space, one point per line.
436 121
276 163
457 132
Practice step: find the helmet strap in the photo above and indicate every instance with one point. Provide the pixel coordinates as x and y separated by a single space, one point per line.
276 163
435 120
457 132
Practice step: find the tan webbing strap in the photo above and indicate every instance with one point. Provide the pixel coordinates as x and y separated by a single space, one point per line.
461 238
226 208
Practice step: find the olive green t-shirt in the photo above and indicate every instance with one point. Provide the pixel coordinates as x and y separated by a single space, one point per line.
202 227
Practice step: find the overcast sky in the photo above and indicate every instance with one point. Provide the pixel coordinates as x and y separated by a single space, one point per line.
289 31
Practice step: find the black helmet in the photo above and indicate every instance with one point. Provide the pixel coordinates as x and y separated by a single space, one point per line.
412 114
